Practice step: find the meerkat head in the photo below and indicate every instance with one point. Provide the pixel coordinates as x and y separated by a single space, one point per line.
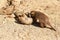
32 13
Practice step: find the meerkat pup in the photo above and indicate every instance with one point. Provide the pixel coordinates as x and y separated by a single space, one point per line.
41 18
24 19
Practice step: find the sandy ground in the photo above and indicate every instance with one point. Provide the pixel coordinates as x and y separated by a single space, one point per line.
10 30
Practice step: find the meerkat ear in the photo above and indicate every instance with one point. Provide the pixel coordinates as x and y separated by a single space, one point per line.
32 12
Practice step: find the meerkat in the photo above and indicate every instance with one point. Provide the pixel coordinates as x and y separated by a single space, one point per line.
24 19
41 18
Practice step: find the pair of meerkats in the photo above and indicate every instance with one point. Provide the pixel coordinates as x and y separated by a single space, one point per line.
35 16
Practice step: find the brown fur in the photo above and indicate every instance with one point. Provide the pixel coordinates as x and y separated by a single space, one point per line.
41 17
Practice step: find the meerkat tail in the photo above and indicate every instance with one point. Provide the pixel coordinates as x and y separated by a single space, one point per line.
51 26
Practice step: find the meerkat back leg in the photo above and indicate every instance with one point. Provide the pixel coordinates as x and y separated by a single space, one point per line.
42 25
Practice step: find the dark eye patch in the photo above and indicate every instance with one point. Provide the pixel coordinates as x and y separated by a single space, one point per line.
20 16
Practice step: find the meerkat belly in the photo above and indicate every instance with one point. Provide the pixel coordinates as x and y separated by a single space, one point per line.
26 20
